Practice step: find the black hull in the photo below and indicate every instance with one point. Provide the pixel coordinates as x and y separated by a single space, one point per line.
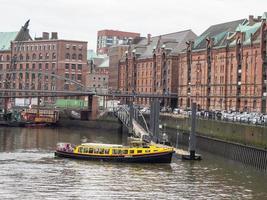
152 158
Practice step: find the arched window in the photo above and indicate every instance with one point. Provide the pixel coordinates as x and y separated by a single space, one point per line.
40 56
47 56
7 58
80 57
34 56
54 56
27 57
1 58
20 57
74 56
67 56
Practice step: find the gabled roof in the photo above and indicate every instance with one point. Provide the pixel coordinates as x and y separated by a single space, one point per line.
5 40
218 33
248 31
174 42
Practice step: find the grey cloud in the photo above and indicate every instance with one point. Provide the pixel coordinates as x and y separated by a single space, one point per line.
81 19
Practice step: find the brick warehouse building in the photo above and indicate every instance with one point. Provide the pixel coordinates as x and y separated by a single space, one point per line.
115 54
225 67
98 74
151 65
108 38
45 56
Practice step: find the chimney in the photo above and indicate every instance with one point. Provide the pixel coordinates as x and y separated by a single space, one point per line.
251 19
54 36
45 36
148 39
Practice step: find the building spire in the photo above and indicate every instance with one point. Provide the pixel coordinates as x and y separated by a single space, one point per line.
23 34
26 25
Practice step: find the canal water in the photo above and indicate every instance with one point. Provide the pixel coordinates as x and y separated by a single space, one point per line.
28 170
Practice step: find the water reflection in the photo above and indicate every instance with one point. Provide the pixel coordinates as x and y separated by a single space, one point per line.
28 170
27 138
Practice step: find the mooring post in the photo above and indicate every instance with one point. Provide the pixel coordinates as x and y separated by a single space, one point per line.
154 119
192 139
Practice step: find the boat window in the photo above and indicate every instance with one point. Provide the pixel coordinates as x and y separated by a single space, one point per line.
125 151
147 151
132 151
139 151
116 151
96 150
101 151
85 150
155 150
91 150
80 150
106 151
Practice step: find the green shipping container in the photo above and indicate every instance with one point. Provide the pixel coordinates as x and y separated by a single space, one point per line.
70 103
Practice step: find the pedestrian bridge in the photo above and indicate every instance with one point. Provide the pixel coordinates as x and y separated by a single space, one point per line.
134 120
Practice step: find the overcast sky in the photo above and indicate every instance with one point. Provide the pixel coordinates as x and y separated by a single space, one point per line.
81 19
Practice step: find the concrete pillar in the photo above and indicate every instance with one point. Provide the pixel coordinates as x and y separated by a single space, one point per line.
94 110
92 107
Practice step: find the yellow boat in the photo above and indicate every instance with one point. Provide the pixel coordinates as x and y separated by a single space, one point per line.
135 153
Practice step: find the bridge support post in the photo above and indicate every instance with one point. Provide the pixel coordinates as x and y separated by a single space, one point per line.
131 116
38 106
92 107
154 119
6 101
90 102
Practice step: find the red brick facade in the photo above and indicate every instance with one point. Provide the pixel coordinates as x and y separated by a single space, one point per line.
226 78
153 69
64 58
43 63
115 55
223 69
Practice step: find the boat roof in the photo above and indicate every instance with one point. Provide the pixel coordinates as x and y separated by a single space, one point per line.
101 145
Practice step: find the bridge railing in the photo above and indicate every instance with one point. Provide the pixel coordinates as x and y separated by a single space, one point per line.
138 124
123 115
